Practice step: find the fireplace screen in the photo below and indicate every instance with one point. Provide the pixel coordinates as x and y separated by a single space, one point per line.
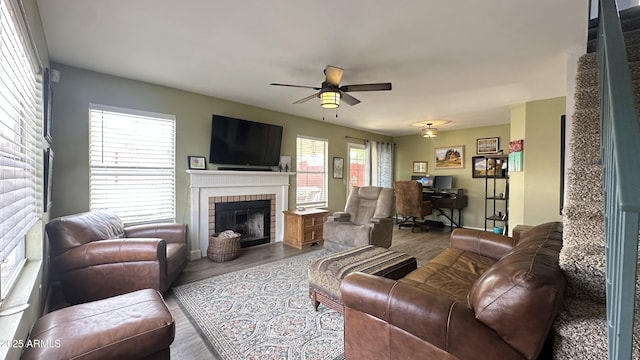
251 219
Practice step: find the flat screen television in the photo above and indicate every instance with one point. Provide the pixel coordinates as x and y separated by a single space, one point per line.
244 142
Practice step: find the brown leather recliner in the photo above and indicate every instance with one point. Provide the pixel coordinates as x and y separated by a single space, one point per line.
94 256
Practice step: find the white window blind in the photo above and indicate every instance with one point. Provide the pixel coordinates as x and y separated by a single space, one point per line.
132 164
20 119
311 171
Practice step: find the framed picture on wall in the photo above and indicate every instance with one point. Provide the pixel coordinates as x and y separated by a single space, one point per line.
420 167
338 168
48 179
450 157
488 145
47 99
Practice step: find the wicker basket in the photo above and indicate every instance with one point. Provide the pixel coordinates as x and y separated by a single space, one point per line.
223 248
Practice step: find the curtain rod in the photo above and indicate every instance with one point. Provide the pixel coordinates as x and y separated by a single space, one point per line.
356 138
361 139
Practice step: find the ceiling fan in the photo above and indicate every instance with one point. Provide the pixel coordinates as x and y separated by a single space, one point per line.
330 92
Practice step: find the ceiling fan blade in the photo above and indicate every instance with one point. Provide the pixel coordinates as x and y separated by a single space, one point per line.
297 86
306 99
333 74
349 99
366 87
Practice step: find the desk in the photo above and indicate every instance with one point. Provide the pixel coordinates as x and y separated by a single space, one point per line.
452 202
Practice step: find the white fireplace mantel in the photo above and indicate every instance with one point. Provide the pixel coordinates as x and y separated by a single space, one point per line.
204 184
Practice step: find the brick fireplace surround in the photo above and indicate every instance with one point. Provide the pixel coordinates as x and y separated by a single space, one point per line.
210 186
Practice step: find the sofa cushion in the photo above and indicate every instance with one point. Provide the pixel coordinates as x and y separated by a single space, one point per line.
451 273
527 281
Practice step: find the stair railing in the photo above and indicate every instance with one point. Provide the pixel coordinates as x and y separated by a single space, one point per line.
620 139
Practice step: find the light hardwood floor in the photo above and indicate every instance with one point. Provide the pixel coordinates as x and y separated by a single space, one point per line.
189 345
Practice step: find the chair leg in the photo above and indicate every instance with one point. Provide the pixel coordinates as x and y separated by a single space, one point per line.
419 224
405 221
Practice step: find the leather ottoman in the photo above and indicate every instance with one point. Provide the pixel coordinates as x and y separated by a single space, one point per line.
326 273
135 325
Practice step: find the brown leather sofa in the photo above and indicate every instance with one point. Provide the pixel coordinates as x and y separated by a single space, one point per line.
487 296
94 256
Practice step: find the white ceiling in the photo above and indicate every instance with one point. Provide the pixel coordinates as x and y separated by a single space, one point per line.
466 62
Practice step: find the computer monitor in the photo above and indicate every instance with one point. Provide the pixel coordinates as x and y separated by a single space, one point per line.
425 180
443 183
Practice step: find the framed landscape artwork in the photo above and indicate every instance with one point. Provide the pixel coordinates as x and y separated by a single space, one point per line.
478 166
488 145
451 157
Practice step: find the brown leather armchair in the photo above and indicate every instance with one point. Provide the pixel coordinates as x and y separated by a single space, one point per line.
410 204
366 220
94 256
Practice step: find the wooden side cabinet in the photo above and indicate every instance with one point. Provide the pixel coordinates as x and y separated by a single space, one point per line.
303 227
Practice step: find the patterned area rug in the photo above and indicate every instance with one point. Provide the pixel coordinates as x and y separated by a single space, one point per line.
263 312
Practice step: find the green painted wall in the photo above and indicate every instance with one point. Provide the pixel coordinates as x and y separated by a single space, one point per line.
535 192
416 148
78 88
516 178
537 187
542 161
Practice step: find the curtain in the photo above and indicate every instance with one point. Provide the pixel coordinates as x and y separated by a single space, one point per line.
385 153
367 162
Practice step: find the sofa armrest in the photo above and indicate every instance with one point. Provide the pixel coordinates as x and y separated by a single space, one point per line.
339 216
381 220
436 320
169 232
425 316
111 251
483 243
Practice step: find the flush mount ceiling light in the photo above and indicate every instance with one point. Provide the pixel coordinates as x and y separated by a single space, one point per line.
429 132
330 99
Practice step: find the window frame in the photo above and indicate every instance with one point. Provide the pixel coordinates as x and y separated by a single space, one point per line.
21 130
129 168
324 193
358 147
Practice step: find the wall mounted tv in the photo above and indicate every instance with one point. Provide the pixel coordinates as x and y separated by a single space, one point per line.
244 142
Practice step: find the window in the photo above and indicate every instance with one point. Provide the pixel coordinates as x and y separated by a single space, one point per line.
132 164
311 171
357 166
20 113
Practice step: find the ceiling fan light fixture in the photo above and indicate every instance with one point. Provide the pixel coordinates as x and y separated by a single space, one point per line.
330 99
429 132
